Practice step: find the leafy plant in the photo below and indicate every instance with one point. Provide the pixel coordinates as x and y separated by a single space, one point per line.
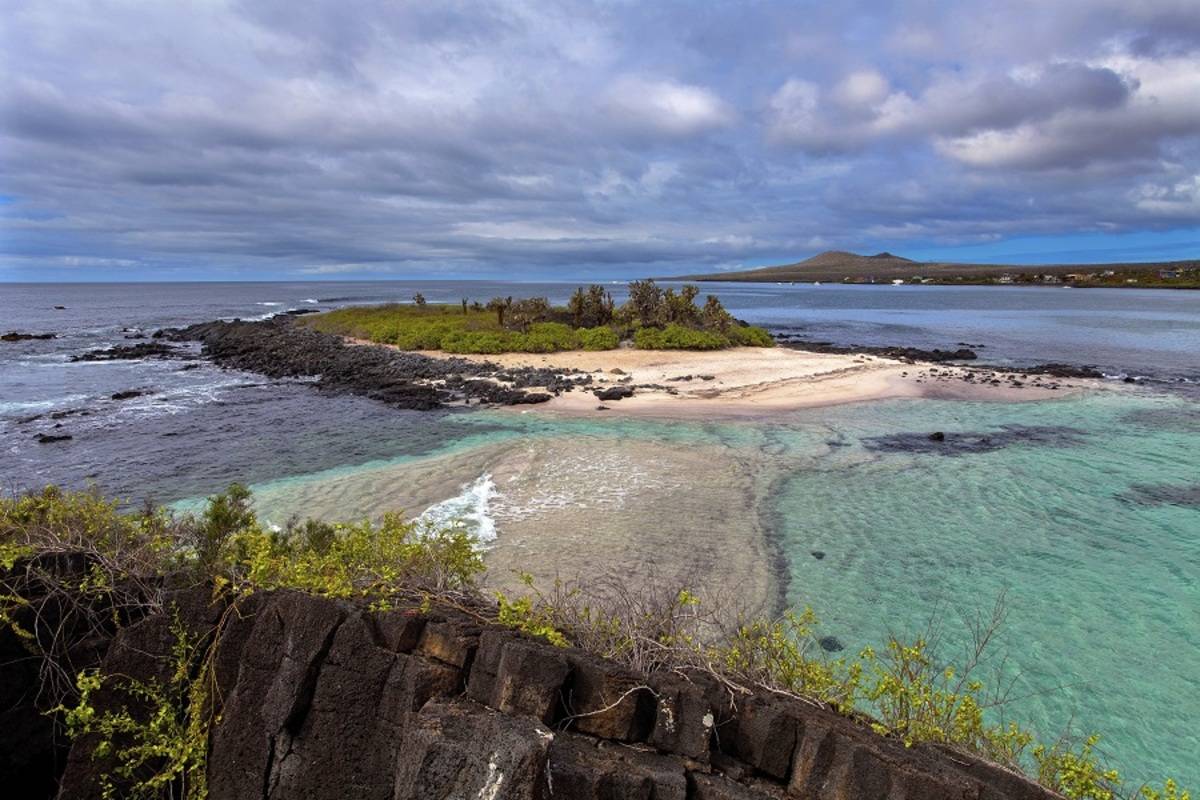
156 743
1076 774
677 337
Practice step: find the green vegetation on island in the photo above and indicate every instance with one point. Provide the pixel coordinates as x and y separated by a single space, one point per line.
130 563
653 319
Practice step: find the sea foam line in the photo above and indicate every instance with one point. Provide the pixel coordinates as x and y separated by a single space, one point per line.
470 508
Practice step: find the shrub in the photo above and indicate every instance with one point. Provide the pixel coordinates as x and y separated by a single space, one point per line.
677 337
477 342
547 337
749 336
1075 775
159 748
601 338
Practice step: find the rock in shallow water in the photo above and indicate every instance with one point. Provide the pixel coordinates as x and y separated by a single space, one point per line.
831 644
957 444
17 336
1163 494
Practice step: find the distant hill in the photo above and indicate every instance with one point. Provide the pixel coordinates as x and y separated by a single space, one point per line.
840 265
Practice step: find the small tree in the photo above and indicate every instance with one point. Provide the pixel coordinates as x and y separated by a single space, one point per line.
591 307
714 317
419 299
500 305
524 313
645 302
681 308
577 306
464 304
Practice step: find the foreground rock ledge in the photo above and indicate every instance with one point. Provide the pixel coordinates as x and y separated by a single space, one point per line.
323 699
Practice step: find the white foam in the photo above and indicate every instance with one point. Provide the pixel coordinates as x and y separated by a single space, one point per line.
268 304
311 300
470 508
19 406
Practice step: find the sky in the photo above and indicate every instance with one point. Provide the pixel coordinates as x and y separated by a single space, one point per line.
340 139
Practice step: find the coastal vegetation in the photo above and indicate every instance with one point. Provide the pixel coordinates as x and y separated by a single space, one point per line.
653 318
131 563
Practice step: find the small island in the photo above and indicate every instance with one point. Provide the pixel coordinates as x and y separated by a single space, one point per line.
652 319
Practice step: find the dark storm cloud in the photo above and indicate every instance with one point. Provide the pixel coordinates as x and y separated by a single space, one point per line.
336 138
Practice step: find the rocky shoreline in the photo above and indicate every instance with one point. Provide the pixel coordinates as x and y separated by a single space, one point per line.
321 698
281 349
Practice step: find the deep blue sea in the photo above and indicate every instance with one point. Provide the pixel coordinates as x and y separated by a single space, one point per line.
1089 526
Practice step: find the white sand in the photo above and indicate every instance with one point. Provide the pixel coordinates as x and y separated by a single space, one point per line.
754 381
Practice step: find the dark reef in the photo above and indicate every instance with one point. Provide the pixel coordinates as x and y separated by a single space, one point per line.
1164 494
957 444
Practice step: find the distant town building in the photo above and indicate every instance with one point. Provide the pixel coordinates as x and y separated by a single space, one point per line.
1051 279
1006 279
1168 274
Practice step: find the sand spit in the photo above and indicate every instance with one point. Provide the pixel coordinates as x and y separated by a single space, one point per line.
564 507
752 381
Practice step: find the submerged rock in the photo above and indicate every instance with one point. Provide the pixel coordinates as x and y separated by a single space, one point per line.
1163 494
956 444
47 438
831 644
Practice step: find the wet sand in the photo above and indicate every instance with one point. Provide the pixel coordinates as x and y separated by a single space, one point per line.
647 512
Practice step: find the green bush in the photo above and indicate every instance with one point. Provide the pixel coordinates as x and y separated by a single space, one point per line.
669 321
477 342
677 337
749 336
547 337
600 338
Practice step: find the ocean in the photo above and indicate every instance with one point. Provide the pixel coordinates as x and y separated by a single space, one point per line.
1082 513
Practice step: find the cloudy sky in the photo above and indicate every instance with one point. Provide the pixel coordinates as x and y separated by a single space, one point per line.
377 138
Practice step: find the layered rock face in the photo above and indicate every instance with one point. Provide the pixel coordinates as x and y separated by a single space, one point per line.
322 699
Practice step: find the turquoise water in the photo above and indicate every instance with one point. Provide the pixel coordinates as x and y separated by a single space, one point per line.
1101 584
1101 578
1055 506
1102 591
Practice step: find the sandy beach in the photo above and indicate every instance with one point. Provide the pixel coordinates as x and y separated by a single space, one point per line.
753 381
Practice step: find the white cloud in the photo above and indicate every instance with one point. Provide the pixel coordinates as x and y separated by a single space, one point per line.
863 89
665 107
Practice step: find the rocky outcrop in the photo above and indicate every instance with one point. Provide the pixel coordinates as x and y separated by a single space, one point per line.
278 348
910 354
131 352
324 699
18 336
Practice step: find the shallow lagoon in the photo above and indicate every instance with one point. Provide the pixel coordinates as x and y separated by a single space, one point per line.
1045 504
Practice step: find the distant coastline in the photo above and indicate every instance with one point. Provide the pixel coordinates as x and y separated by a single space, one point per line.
837 266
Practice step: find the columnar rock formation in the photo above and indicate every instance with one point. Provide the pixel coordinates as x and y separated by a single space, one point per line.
324 699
